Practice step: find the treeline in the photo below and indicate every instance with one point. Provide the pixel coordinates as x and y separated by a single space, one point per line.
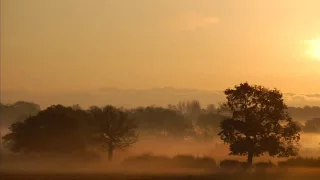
204 120
253 121
64 130
175 120
189 161
304 113
71 130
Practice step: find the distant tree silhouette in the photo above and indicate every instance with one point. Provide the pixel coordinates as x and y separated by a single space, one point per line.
300 162
57 130
18 111
209 123
190 109
259 123
232 164
162 122
306 112
211 108
299 124
113 129
76 107
172 107
312 125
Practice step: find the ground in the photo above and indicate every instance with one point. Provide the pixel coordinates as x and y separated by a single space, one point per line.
294 174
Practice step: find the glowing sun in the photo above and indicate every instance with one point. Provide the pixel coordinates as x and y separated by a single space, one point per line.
313 49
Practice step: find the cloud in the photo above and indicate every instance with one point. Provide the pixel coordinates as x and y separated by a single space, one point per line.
313 95
298 98
139 97
302 96
302 99
193 20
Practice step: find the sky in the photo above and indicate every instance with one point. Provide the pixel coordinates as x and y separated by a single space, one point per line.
51 46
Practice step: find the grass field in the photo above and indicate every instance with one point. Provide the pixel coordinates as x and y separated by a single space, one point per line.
289 174
158 177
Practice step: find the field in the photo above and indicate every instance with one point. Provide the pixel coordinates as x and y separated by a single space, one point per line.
15 167
293 174
152 167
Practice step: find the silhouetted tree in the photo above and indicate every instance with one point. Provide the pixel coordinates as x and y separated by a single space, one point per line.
76 107
190 109
19 111
211 108
172 107
162 122
113 128
299 124
305 112
57 130
312 125
259 123
209 123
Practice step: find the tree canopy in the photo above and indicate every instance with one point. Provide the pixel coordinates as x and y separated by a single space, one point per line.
162 122
254 121
113 129
57 129
259 123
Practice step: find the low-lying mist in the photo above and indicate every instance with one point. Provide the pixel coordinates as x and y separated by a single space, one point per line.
159 147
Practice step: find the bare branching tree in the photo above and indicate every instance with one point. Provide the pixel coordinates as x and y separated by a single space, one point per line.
113 129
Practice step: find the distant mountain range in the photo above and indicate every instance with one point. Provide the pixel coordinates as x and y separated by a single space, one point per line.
139 97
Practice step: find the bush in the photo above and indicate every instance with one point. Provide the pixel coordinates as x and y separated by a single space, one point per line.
184 158
146 159
264 165
179 161
232 164
189 161
300 162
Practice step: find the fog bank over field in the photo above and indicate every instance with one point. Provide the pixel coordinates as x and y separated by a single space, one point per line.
138 97
153 146
182 135
309 147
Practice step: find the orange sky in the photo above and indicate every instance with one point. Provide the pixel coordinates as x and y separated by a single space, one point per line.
64 45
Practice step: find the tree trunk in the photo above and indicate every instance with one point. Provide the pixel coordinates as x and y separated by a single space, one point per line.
110 153
250 157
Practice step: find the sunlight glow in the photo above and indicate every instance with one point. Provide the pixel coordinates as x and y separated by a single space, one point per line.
313 49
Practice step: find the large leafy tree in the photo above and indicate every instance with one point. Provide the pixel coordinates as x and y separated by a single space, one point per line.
259 123
55 130
113 129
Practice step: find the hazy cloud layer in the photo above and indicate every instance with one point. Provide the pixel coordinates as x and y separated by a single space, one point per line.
302 99
312 95
118 97
302 96
136 97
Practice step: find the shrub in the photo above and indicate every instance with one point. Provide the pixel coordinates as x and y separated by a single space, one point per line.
300 162
232 164
178 161
264 164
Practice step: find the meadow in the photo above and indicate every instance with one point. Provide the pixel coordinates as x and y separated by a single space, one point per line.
291 174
